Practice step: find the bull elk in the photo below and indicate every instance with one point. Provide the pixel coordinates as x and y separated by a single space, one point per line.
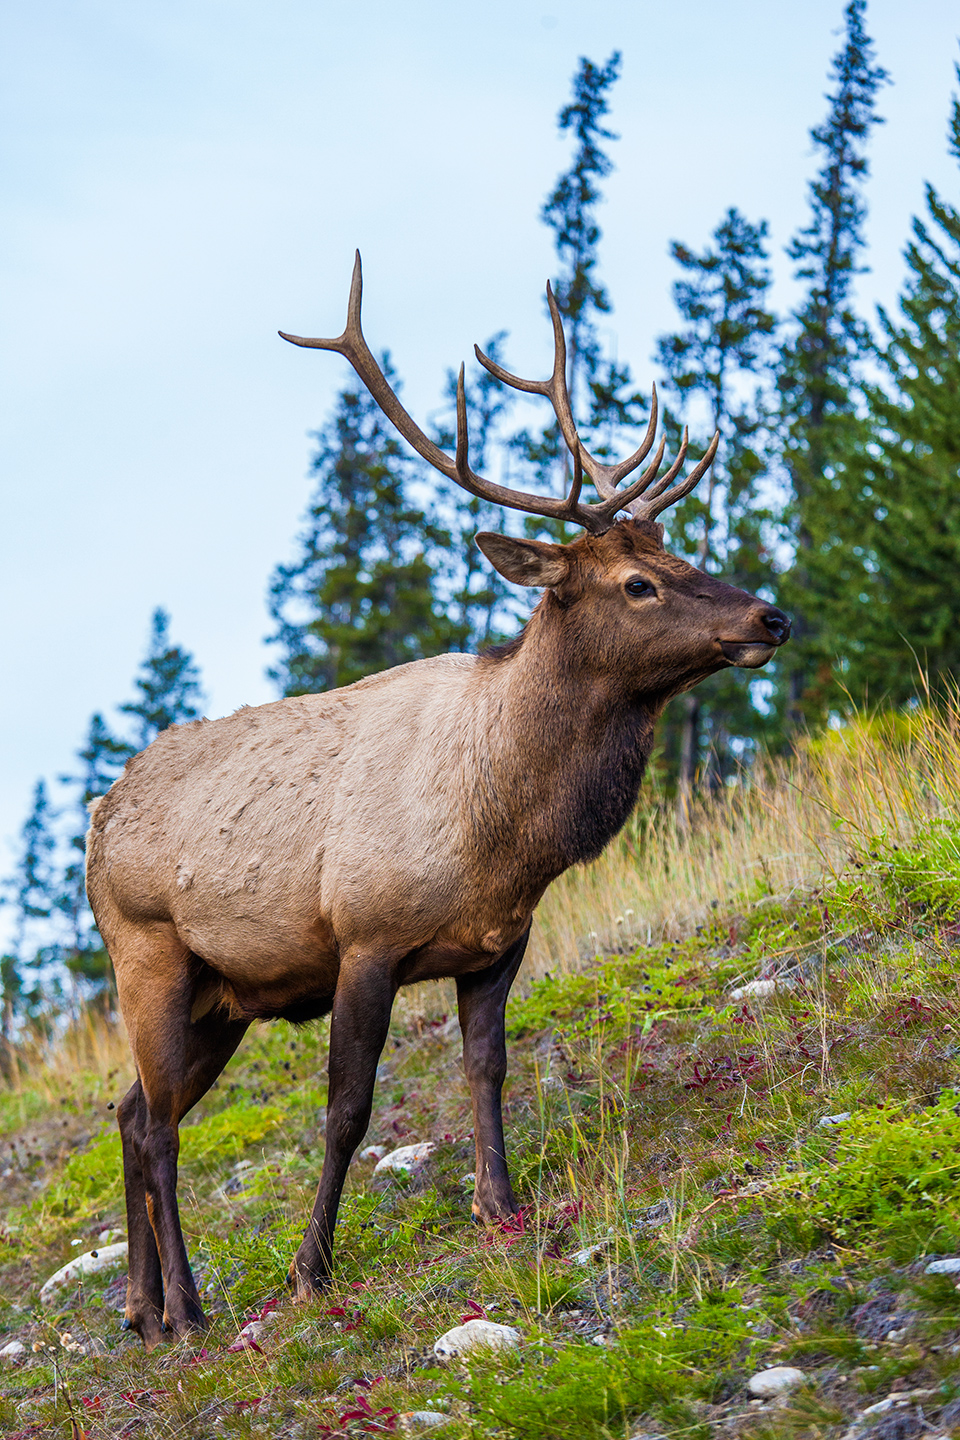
314 854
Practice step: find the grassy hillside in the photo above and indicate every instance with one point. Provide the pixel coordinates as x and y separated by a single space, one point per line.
688 1217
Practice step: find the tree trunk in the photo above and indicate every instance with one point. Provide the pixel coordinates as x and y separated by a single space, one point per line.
689 758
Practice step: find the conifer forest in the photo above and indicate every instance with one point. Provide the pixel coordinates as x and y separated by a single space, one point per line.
733 1092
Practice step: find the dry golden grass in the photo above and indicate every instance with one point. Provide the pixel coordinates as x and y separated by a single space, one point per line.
94 1047
791 824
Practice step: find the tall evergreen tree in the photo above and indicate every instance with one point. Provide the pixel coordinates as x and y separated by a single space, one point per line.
479 600
102 756
600 389
819 367
168 686
361 594
889 583
716 367
32 893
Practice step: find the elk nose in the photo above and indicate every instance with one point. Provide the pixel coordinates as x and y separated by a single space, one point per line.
778 624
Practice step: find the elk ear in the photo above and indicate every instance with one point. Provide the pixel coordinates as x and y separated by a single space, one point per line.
525 562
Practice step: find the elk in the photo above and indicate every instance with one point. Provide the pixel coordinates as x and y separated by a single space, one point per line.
312 855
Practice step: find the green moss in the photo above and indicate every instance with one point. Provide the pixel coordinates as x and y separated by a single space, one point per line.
892 1176
584 1390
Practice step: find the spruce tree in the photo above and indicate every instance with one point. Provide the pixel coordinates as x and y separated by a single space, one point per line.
32 893
819 368
479 600
716 368
600 389
54 930
889 597
362 593
102 756
168 686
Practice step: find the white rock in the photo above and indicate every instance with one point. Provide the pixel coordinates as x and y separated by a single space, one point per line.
107 1258
411 1420
15 1347
373 1152
255 1330
826 1121
950 1266
881 1407
408 1157
757 989
591 1254
775 1381
474 1336
469 1180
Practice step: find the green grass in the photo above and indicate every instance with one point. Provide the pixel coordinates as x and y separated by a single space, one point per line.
649 1116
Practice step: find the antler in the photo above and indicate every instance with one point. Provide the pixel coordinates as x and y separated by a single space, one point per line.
595 518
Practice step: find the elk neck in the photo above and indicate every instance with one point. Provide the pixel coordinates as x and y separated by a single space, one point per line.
561 743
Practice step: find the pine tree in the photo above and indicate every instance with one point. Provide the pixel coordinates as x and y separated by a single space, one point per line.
888 603
102 757
32 893
168 685
480 601
54 930
362 594
820 366
716 367
600 389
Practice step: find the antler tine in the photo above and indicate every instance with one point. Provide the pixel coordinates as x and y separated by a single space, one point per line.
622 499
353 347
572 509
662 497
545 505
607 477
667 480
555 389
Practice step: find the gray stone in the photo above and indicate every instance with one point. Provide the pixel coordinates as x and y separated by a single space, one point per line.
758 990
826 1121
475 1335
13 1349
94 1260
408 1157
778 1380
949 1266
373 1152
411 1420
591 1254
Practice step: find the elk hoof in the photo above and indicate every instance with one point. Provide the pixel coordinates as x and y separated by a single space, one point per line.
126 1324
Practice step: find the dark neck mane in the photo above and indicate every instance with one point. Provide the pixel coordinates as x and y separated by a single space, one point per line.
566 749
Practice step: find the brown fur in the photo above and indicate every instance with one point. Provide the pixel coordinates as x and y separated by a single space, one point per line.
316 853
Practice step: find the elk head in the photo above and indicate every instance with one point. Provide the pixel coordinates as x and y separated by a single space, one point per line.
630 608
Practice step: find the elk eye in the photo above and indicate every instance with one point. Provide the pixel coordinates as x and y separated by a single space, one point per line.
639 587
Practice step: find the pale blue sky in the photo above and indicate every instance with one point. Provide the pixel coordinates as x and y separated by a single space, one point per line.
181 180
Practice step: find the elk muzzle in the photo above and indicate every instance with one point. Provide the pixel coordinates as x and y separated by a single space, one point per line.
751 654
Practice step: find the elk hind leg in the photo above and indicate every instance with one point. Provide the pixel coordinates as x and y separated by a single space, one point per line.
144 1308
177 1061
481 1003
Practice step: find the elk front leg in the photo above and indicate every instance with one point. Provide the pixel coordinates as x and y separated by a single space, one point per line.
359 1023
481 1001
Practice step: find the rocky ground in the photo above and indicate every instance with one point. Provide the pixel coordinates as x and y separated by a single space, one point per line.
738 1159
